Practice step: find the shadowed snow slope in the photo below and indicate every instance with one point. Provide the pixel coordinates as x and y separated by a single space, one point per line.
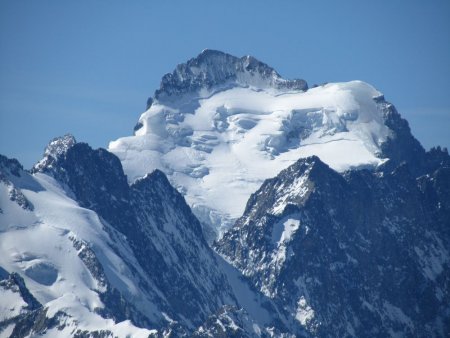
83 253
220 125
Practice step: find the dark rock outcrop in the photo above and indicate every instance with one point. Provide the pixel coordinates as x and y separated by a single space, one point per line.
363 253
213 69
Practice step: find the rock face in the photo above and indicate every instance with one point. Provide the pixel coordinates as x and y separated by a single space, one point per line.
234 323
362 253
213 70
54 150
135 260
163 233
10 170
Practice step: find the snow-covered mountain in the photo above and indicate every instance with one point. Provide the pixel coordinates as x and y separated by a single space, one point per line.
89 254
358 254
342 218
220 125
59 258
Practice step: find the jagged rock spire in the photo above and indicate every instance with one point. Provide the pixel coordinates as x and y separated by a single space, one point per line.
212 68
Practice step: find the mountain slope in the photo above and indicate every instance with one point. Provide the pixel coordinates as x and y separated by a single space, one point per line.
113 259
61 255
362 253
220 125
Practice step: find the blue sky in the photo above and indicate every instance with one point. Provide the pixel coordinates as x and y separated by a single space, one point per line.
87 67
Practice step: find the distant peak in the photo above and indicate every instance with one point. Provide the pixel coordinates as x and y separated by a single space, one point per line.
310 161
10 164
306 165
60 145
209 52
151 178
54 150
215 70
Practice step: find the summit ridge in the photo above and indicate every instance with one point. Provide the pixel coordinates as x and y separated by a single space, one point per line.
212 69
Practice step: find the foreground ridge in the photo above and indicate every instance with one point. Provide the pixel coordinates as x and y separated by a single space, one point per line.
117 260
354 254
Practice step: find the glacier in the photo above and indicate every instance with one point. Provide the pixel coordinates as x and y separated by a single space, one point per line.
218 139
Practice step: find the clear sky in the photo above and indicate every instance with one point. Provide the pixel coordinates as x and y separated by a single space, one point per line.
88 67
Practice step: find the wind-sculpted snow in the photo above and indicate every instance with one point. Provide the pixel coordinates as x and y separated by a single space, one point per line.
219 126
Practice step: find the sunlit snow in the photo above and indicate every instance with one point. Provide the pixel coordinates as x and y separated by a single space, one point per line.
221 148
38 245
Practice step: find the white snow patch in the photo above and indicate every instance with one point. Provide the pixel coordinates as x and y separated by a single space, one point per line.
304 312
282 233
290 227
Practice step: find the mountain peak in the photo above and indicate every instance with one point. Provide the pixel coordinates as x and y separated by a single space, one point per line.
217 106
54 150
213 70
60 145
207 52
